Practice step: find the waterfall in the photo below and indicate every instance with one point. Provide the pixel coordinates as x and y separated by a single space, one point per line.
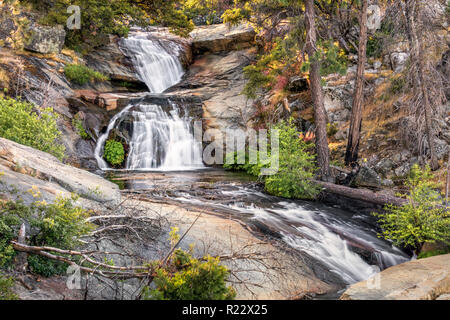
155 66
161 139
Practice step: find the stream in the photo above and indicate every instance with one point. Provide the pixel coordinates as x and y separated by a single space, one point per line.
164 162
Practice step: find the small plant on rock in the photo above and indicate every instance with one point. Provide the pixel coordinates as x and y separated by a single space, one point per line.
81 75
114 152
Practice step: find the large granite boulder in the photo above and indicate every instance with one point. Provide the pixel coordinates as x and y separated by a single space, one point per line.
367 177
46 39
25 167
424 279
219 38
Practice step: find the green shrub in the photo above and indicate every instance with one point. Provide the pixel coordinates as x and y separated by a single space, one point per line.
81 75
6 284
194 280
251 169
26 124
375 46
114 152
58 225
296 165
397 84
78 125
424 219
12 215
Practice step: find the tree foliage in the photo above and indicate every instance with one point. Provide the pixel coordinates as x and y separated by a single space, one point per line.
296 165
424 219
100 18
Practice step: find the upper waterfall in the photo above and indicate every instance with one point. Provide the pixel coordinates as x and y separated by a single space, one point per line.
155 66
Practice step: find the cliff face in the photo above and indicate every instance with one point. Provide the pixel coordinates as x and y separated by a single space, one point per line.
212 78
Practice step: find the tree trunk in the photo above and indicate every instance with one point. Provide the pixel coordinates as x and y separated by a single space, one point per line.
364 195
417 55
320 116
351 154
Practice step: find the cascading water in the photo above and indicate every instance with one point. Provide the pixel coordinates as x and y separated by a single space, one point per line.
161 139
156 67
329 235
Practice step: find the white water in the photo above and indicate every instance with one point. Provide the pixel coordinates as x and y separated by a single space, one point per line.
321 234
161 139
156 67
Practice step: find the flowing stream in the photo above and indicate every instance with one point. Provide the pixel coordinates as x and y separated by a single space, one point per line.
346 244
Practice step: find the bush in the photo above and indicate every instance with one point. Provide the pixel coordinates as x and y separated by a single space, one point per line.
114 152
12 215
58 225
296 165
423 219
433 253
26 124
194 280
81 75
6 284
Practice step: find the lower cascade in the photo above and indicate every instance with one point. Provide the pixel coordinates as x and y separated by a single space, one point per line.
162 140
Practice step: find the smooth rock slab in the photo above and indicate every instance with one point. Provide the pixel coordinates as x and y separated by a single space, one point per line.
35 163
424 279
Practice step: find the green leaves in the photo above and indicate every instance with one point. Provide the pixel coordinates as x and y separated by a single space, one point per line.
81 75
29 125
194 280
424 219
114 152
296 166
58 225
6 285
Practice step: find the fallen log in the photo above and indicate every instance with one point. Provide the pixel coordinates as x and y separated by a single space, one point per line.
361 194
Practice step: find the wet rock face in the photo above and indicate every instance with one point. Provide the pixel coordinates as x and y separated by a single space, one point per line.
46 39
424 279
